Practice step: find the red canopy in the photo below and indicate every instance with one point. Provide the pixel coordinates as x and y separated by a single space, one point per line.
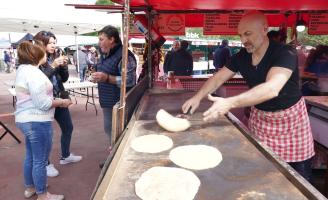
266 5
276 9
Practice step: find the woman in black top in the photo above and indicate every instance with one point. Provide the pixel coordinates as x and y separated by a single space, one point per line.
56 70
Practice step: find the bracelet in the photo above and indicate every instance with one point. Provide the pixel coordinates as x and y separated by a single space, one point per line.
107 80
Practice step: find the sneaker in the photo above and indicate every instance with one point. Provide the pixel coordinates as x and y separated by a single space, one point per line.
53 197
70 159
28 193
52 171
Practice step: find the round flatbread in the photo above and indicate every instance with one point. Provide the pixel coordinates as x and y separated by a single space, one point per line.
151 143
167 183
196 156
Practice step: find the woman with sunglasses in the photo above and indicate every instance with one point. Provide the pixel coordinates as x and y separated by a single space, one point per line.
56 70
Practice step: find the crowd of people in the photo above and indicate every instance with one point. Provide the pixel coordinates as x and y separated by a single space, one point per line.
269 67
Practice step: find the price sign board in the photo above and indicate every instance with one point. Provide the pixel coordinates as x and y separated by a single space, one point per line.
318 24
221 24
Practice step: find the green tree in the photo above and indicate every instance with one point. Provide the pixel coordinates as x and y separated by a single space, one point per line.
312 40
104 2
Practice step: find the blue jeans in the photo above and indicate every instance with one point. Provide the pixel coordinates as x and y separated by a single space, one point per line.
82 70
38 143
303 168
63 117
108 122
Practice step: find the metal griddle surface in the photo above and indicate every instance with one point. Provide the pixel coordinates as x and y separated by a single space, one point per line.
244 172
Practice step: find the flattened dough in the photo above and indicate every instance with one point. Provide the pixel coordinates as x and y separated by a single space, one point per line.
196 156
170 123
151 143
167 183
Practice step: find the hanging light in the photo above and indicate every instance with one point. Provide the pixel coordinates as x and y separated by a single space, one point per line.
300 23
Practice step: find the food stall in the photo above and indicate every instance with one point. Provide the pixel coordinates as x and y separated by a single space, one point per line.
248 170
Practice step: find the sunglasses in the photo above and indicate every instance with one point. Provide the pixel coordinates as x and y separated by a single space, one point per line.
47 34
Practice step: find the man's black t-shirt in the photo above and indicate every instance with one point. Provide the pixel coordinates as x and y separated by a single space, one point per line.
277 55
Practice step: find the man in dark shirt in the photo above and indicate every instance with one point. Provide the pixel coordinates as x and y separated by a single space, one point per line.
278 116
181 61
109 74
222 55
175 47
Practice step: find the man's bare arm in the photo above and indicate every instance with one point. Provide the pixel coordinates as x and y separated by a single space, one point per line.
276 79
209 87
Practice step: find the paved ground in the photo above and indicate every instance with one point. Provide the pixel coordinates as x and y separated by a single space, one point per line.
76 181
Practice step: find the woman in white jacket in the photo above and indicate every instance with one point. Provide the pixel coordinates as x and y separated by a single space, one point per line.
34 116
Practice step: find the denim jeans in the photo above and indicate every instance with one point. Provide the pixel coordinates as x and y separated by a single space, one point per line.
303 168
82 70
63 117
38 143
108 122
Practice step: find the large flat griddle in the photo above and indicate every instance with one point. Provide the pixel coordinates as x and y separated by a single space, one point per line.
244 169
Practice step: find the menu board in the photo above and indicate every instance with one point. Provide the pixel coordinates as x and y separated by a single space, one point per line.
318 24
171 24
221 24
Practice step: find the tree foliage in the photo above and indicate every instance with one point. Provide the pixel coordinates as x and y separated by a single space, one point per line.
312 40
104 2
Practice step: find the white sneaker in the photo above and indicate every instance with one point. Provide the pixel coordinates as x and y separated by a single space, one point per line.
52 171
70 159
54 197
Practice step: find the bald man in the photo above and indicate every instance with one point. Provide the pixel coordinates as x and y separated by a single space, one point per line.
278 115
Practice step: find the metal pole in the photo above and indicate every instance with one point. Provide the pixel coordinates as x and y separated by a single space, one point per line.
149 56
77 55
9 37
126 24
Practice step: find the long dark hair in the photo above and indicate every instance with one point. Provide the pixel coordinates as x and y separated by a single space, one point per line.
44 37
